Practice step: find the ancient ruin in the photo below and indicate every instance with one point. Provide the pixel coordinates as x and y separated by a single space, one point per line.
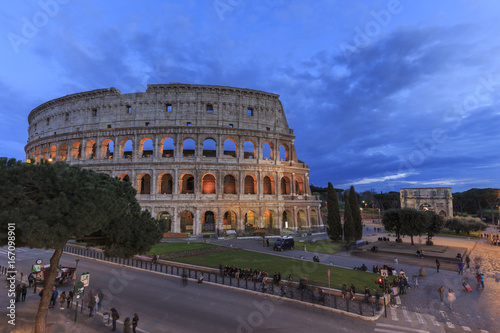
437 199
208 159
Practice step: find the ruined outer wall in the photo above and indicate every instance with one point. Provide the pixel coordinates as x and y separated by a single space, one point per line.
92 128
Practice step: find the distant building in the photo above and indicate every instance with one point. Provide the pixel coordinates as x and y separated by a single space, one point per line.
437 199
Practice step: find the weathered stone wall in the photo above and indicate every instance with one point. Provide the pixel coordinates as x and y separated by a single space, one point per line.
439 198
242 163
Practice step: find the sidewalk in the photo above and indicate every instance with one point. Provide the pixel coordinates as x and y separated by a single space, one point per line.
58 321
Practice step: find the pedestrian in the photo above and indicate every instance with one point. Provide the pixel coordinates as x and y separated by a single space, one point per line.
396 261
115 316
135 321
441 293
97 300
377 300
345 290
69 299
437 265
482 280
184 278
24 290
91 305
367 294
62 300
451 298
460 267
352 291
467 261
126 325
18 292
101 298
31 278
267 242
55 294
34 286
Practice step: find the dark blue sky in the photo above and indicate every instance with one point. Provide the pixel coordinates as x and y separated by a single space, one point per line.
380 94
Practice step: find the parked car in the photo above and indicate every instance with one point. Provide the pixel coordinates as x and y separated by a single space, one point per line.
284 243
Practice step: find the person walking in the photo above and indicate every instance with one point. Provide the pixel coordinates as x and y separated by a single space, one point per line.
24 290
31 278
441 293
96 297
461 268
69 299
62 300
467 261
115 316
438 264
55 294
135 322
91 305
126 325
451 298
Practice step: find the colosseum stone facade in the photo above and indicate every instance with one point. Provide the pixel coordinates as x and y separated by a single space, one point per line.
208 159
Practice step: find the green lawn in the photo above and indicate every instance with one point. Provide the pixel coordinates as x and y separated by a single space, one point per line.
176 247
450 233
322 246
316 273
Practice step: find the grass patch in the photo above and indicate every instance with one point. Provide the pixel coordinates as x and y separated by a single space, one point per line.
316 273
162 248
322 246
450 233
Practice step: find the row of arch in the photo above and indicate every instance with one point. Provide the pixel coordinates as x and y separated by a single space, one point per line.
106 149
186 185
209 222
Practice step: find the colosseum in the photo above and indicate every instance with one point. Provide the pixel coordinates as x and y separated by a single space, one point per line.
207 159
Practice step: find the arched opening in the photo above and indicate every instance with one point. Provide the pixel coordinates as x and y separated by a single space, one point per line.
426 206
229 184
63 152
250 184
107 149
299 186
186 221
229 220
146 148
208 222
442 213
76 151
287 220
124 177
187 183
168 220
267 152
209 148
145 187
44 153
285 185
230 148
91 150
208 184
268 185
250 221
167 147
127 148
301 219
166 184
270 220
37 156
188 148
314 218
53 152
284 153
249 150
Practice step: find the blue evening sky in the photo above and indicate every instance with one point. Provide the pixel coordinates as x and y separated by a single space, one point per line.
380 94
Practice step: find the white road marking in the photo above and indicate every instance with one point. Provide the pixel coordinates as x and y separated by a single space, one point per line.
434 321
398 328
420 318
465 328
394 315
450 325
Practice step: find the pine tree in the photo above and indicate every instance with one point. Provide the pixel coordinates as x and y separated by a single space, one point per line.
334 224
356 214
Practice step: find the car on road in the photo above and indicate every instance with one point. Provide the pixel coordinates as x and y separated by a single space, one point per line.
284 243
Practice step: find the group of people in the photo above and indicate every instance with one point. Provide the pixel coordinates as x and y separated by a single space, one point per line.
21 291
255 275
126 324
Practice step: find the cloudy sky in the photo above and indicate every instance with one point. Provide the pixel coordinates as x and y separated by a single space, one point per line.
380 94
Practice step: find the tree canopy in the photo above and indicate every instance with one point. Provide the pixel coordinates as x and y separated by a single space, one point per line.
391 220
413 222
462 225
356 214
51 203
334 224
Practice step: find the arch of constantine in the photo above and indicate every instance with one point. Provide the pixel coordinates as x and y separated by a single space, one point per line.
207 159
437 199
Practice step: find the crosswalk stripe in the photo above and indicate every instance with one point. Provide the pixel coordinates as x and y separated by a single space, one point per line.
398 328
434 321
465 328
394 315
406 315
484 331
450 325
420 318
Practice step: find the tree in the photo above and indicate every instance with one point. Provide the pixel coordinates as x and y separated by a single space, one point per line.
389 200
49 204
334 224
391 221
465 225
348 221
413 222
435 224
356 214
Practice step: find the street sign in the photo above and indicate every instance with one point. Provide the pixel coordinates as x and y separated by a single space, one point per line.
79 288
39 261
383 272
85 278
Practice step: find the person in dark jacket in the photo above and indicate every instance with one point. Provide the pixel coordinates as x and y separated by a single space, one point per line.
115 316
135 322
